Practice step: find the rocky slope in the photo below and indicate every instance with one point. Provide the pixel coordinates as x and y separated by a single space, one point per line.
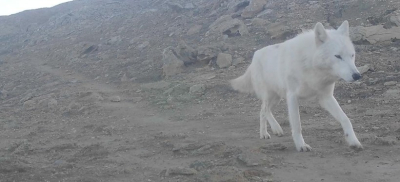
136 90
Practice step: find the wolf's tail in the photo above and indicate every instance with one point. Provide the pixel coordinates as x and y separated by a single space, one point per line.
243 83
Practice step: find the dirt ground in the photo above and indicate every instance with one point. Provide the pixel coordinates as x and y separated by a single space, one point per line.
83 96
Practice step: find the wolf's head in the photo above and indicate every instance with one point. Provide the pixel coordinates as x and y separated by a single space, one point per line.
335 52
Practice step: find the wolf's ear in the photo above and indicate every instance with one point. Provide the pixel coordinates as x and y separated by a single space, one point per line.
320 34
344 28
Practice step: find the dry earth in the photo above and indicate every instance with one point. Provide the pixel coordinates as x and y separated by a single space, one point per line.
119 90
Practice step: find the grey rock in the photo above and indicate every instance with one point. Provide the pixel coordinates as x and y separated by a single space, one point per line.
224 60
52 103
236 5
390 83
237 61
124 78
374 34
171 64
156 85
392 94
194 30
395 20
280 30
143 45
186 53
254 174
198 89
228 26
115 98
29 105
180 171
114 40
207 53
364 69
255 7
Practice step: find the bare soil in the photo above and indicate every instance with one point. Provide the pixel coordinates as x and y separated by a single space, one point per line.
83 97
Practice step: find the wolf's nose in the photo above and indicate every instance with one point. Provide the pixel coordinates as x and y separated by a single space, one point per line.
356 76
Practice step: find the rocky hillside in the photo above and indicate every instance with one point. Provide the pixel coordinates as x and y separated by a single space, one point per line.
136 90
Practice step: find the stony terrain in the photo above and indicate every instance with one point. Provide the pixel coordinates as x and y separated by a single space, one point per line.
119 90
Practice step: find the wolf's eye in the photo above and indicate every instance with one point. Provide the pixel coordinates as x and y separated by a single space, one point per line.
338 56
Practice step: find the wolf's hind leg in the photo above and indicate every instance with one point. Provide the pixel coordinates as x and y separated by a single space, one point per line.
275 127
263 121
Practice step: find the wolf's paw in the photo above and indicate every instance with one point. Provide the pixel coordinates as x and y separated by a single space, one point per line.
277 131
353 142
304 148
265 135
357 146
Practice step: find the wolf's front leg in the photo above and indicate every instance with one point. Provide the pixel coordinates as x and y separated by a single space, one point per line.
331 105
294 119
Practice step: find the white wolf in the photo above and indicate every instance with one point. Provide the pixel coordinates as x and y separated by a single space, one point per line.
306 66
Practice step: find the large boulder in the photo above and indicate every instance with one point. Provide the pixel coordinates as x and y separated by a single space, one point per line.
374 34
236 5
171 64
206 53
226 25
186 53
255 7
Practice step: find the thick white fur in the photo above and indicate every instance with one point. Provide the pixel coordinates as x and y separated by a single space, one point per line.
304 67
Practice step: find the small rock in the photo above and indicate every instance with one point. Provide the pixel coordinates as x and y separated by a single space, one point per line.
194 30
124 78
349 101
115 98
259 22
239 60
385 141
177 6
198 89
237 5
392 94
88 48
180 171
143 45
59 162
390 83
52 103
168 91
114 40
3 94
137 99
147 62
255 173
27 97
155 85
29 105
207 76
224 60
375 128
365 68
201 165
395 20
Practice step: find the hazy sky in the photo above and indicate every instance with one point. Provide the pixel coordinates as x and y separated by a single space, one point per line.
8 7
